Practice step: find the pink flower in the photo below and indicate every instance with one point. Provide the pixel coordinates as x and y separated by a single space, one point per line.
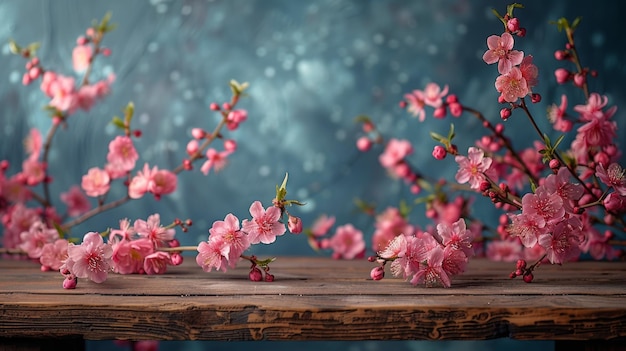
294 224
563 244
265 225
560 184
614 177
163 182
456 236
395 151
557 116
454 261
389 224
156 262
76 201
128 255
96 182
140 183
597 132
347 242
594 108
125 231
472 168
433 95
210 256
529 71
614 202
216 160
322 225
234 118
416 251
54 254
432 273
234 241
512 85
504 250
81 57
547 205
36 237
396 248
500 51
527 227
33 144
91 259
416 104
63 93
33 171
122 154
152 229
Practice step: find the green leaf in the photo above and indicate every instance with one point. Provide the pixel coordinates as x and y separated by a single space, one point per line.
362 119
576 22
511 7
129 111
265 262
116 121
15 49
438 137
451 132
281 191
59 230
404 209
558 141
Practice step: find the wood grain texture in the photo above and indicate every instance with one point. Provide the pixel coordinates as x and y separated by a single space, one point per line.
317 299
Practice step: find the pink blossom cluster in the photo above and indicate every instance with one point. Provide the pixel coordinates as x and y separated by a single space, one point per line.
557 204
425 258
346 242
130 249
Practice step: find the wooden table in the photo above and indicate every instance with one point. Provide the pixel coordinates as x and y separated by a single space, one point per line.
580 305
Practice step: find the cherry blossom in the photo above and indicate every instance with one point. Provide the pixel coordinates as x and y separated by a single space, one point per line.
264 226
53 254
395 151
91 259
34 240
96 182
432 273
210 255
81 57
76 201
215 160
152 230
234 241
512 85
122 154
473 167
347 242
500 51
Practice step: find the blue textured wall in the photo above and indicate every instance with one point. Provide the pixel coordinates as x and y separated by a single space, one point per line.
313 66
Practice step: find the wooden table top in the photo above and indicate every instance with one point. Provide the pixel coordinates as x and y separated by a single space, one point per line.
317 299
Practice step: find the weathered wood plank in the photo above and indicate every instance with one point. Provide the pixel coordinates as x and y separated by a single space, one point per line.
317 299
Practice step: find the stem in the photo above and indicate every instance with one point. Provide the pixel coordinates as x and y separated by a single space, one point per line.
177 249
46 151
95 211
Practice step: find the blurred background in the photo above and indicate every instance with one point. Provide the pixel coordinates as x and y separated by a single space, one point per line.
313 66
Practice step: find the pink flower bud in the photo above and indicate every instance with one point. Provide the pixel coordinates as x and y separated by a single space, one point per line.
367 127
192 147
26 79
555 164
452 98
560 55
294 224
535 98
505 113
456 109
214 106
521 32
226 106
269 277
579 79
613 202
70 282
230 145
440 112
528 277
562 75
402 104
377 273
81 40
198 133
513 25
501 99
255 274
176 259
106 52
439 152
364 144
484 186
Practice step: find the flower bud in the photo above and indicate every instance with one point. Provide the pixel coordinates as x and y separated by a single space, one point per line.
505 113
440 112
439 152
528 277
402 104
560 55
295 224
377 273
535 98
367 127
198 133
70 282
456 109
555 164
269 277
521 32
230 145
579 79
513 25
192 147
364 144
255 274
562 75
214 106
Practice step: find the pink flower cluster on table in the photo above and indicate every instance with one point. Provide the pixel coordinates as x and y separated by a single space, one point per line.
556 205
34 225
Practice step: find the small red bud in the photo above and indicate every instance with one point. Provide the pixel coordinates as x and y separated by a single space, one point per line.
528 277
535 98
505 113
255 274
269 277
214 106
377 273
137 133
402 104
